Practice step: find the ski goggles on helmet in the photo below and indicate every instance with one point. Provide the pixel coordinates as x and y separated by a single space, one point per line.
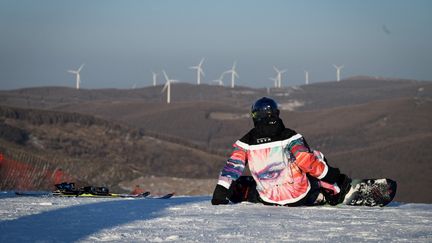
260 114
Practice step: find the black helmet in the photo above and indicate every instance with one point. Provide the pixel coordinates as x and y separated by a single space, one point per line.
265 111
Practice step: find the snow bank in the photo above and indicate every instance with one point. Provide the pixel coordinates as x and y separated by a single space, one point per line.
186 219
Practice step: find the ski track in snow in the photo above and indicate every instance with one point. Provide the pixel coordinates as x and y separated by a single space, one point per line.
194 219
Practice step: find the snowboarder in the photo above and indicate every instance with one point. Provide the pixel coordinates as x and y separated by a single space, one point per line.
285 170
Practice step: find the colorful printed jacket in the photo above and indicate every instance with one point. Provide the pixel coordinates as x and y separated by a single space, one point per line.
279 166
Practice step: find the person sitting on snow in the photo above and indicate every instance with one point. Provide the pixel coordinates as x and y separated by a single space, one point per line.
284 169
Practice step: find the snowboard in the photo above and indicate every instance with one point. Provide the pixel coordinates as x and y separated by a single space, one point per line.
145 195
370 192
62 194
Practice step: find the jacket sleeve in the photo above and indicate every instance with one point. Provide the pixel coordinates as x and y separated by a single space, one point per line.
309 162
234 166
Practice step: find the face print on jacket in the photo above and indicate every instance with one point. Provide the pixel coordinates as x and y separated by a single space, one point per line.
278 179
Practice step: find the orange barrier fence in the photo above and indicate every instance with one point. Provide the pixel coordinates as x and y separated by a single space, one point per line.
22 171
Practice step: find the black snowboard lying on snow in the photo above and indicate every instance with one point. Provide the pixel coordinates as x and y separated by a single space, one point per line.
370 192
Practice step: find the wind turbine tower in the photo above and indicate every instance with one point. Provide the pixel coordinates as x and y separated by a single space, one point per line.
199 71
338 71
275 80
234 74
306 77
279 76
154 78
77 73
167 86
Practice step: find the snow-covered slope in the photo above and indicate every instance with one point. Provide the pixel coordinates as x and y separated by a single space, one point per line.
188 219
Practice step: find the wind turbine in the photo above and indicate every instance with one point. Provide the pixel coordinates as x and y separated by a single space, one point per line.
306 77
167 86
338 69
279 75
234 74
154 78
220 80
275 80
77 73
199 71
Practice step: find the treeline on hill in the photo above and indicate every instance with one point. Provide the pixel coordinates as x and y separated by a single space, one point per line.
94 150
45 117
13 134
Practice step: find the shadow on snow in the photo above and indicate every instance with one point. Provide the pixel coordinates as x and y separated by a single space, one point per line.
79 221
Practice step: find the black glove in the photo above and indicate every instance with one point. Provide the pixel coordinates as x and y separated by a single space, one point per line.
220 195
344 183
332 175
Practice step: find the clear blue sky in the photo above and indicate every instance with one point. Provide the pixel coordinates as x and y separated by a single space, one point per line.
122 42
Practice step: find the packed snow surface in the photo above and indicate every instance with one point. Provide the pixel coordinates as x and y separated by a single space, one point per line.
194 219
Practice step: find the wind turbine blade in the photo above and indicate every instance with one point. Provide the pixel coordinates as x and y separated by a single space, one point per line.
166 76
277 70
79 69
283 71
72 71
202 72
201 62
234 65
165 87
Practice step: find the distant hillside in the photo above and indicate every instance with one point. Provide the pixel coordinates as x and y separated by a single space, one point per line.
355 90
56 97
96 151
212 125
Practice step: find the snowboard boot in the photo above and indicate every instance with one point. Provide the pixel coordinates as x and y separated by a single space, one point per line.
67 188
99 191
